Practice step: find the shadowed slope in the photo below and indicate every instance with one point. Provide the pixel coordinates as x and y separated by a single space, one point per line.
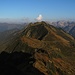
17 63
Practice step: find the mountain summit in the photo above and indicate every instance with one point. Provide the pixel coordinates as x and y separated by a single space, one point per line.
50 51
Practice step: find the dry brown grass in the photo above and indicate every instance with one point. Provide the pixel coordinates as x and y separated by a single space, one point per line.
32 42
53 35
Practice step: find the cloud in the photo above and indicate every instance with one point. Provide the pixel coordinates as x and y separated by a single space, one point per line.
39 18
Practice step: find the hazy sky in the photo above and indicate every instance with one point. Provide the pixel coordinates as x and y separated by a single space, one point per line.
31 9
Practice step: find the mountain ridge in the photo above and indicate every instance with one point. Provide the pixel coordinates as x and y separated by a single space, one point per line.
52 48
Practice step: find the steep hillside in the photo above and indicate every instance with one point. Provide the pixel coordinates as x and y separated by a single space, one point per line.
52 49
7 37
70 29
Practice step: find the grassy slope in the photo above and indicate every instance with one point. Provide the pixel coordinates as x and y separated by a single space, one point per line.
53 49
58 45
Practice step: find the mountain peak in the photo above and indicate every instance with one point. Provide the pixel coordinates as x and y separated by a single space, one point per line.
36 30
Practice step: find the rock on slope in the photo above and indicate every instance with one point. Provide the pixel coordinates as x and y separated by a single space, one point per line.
50 51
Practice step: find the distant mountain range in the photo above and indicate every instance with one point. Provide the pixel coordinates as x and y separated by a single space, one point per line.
38 49
68 26
9 26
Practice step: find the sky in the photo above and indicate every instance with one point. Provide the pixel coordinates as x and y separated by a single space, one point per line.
30 10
